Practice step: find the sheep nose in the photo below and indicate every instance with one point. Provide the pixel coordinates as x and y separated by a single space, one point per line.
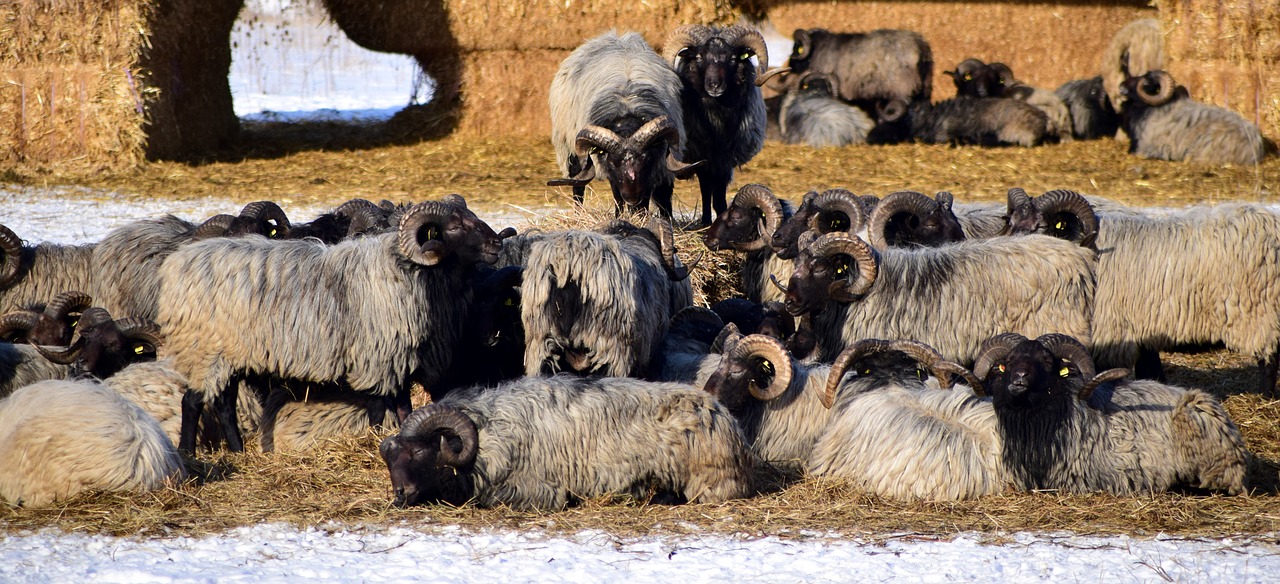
400 499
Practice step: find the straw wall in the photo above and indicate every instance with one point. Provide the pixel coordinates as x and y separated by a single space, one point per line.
1227 52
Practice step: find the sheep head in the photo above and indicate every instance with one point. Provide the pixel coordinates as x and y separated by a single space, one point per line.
834 267
770 319
11 260
832 211
911 219
51 326
716 62
495 314
973 78
103 346
430 460
754 367
753 215
1154 89
1059 213
434 231
637 156
1039 375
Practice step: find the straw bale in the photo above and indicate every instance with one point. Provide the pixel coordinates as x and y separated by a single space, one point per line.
1046 43
1211 30
505 91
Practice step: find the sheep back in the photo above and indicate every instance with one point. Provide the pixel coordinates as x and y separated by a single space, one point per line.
131 257
49 269
1187 130
21 365
59 438
820 121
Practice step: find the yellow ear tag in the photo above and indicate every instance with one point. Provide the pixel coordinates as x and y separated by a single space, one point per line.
1060 225
866 371
139 349
508 302
433 233
1064 372
968 77
272 233
1000 368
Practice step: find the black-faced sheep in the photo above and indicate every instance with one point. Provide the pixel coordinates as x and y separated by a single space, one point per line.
1164 123
371 313
1059 433
1054 108
911 219
833 210
746 226
592 437
598 302
875 68
951 297
59 438
724 113
982 121
615 105
811 114
51 324
1136 49
1092 116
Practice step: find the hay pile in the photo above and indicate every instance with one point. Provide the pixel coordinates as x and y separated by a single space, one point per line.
1227 52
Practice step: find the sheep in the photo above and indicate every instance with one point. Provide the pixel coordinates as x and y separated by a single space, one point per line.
1092 115
745 226
984 121
1064 214
724 113
22 365
615 104
51 324
766 318
371 313
811 114
1136 49
973 78
298 417
910 219
60 438
593 437
830 211
1126 437
907 440
598 302
35 274
874 69
1164 123
950 297
492 346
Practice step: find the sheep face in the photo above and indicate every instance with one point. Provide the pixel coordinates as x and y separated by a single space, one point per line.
466 234
105 346
831 267
832 211
754 213
974 78
418 477
716 68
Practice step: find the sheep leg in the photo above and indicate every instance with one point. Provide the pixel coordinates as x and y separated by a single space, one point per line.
1148 365
224 406
575 167
192 406
400 403
713 183
1269 366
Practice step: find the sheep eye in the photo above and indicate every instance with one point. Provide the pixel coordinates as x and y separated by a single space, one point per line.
804 85
1000 368
800 51
865 371
1064 372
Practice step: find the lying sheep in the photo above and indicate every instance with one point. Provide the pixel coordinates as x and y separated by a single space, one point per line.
22 365
371 313
1164 123
811 114
1092 115
985 121
102 346
1066 428
874 68
951 297
1135 50
911 219
35 274
906 440
598 302
593 437
615 106
833 210
724 113
51 324
60 438
1054 108
746 226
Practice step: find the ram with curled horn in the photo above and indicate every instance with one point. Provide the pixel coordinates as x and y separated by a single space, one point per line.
615 110
724 111
831 211
1164 123
370 314
1065 427
951 297
747 226
593 437
52 324
912 219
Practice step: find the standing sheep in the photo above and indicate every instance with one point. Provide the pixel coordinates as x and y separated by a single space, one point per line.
615 105
724 114
371 313
591 437
1059 433
59 438
1164 123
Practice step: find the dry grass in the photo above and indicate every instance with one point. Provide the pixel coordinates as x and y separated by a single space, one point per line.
347 483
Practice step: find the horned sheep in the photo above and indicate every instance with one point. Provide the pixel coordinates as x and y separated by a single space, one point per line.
1092 115
1136 49
876 70
1164 123
811 114
1066 427
615 105
371 313
592 437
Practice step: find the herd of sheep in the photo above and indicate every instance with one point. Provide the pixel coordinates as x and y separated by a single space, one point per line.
918 347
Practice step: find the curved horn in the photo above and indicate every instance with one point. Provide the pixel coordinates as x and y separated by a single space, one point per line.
837 201
953 370
422 231
891 111
773 361
62 355
1086 391
11 244
994 349
683 37
215 226
917 204
1165 88
760 198
750 38
66 303
843 361
18 320
363 216
265 212
667 240
1070 350
866 258
659 127
728 337
1053 204
445 420
141 329
592 138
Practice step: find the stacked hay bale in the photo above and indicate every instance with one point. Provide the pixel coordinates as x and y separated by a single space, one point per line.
1227 53
101 84
500 56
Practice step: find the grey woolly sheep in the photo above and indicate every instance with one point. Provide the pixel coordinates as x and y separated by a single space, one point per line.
35 274
812 115
1054 108
950 297
911 219
982 121
155 387
598 302
1164 123
22 365
1136 437
59 438
1092 116
906 440
724 113
592 437
371 313
875 69
747 226
1136 49
615 105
